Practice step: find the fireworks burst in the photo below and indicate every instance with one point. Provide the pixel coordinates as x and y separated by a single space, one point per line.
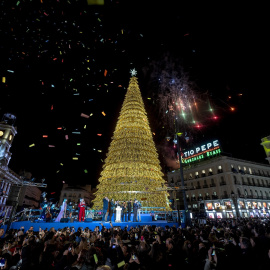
182 106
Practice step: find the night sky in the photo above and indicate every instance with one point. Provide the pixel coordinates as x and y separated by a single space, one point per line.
61 59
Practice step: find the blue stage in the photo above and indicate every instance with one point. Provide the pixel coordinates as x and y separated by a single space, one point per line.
91 225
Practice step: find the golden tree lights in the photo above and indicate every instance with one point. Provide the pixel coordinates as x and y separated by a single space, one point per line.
132 168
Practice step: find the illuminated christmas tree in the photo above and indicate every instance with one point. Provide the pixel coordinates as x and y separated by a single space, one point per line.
132 169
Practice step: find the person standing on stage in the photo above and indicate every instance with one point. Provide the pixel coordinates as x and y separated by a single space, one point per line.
62 212
139 210
129 206
135 211
124 211
105 208
82 206
112 208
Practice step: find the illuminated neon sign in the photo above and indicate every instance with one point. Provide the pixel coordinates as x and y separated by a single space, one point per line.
200 152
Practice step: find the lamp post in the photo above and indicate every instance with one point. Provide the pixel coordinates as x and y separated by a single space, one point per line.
187 215
234 198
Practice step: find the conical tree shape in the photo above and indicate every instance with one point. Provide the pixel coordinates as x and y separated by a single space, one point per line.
132 168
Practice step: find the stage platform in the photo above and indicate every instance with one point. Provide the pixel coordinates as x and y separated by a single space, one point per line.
91 225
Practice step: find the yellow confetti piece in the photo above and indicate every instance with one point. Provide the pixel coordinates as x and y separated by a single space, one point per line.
31 145
75 158
104 113
3 79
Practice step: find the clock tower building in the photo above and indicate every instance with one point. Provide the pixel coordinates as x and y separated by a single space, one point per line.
7 133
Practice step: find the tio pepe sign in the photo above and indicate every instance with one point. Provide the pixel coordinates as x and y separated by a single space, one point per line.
199 152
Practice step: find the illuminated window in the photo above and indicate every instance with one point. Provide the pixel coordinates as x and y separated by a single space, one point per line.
196 175
245 192
203 173
220 169
210 172
190 176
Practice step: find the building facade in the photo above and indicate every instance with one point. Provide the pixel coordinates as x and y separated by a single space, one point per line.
30 197
223 187
74 193
8 178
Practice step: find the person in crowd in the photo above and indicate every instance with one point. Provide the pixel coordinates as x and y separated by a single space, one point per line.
129 207
105 208
81 206
62 213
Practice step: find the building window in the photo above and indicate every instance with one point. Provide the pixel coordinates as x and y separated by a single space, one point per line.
212 182
210 172
196 175
203 173
250 171
220 170
233 169
245 192
190 176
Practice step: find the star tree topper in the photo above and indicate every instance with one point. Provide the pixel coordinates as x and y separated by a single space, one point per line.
133 72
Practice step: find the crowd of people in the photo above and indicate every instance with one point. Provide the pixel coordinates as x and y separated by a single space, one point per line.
222 244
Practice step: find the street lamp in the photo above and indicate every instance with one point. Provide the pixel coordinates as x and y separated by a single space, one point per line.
187 215
234 198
